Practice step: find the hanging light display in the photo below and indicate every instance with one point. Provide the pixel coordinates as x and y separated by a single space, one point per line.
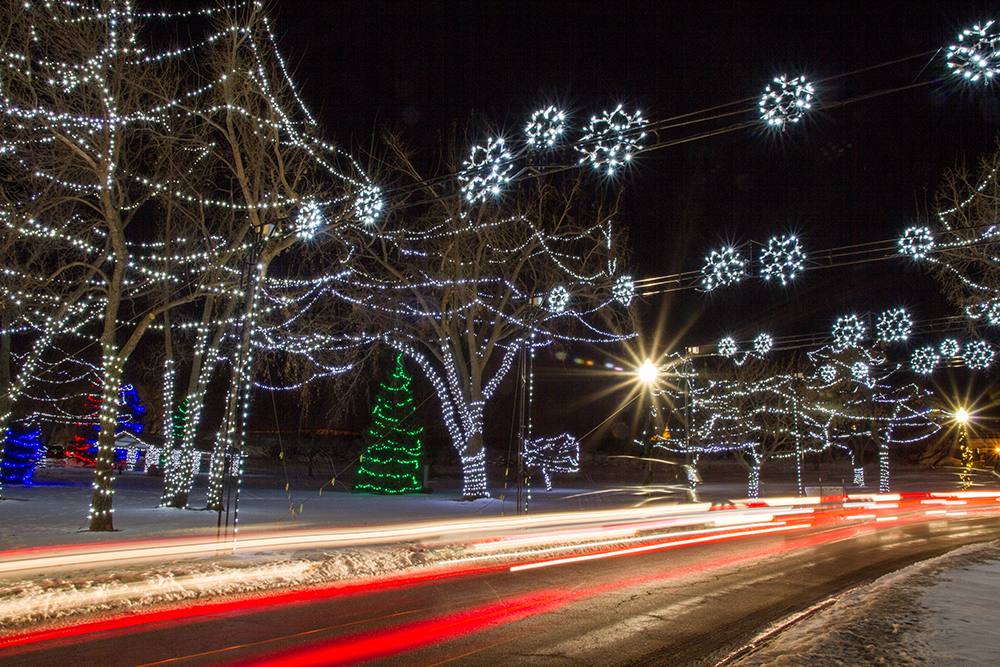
894 326
782 260
976 56
623 290
848 332
612 139
486 171
925 360
545 129
786 101
723 267
979 355
916 242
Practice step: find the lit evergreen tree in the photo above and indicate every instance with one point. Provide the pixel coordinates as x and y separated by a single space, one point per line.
392 461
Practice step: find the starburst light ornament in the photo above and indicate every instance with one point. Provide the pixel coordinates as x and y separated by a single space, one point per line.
949 348
828 372
848 332
917 242
979 355
782 260
546 128
859 371
894 326
309 220
786 101
612 139
992 312
624 290
723 267
728 347
976 57
368 204
925 360
486 171
762 344
558 299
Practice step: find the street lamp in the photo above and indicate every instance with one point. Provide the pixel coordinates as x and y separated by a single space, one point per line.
648 372
962 416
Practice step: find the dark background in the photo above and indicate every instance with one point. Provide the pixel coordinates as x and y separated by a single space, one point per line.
851 172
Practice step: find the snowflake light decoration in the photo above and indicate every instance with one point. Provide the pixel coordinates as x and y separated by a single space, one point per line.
368 204
783 259
979 355
787 101
828 372
728 347
612 139
894 326
762 344
992 312
976 56
545 128
859 371
486 171
917 242
723 267
624 290
848 332
925 360
309 220
558 299
949 348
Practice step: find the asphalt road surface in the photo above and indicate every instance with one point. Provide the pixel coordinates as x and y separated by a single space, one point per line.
690 605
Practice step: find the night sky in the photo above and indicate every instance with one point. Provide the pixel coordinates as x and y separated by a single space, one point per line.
851 172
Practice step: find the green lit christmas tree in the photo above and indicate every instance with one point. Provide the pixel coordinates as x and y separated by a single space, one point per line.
392 461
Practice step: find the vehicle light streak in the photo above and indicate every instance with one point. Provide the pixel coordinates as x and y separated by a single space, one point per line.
654 547
624 540
386 642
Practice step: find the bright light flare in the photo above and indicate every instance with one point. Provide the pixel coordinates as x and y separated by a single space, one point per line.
648 372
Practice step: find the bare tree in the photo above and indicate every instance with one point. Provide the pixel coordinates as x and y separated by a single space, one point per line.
463 287
83 103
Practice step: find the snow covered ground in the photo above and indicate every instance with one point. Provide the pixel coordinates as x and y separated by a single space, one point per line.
942 612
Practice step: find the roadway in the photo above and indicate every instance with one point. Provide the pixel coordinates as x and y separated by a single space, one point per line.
670 599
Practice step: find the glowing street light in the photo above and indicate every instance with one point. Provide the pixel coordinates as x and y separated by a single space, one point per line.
648 372
962 416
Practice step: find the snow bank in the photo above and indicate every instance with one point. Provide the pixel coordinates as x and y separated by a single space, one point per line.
27 601
940 612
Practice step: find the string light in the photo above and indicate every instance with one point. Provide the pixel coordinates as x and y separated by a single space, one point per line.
560 454
979 355
623 290
762 344
558 299
546 128
786 100
783 259
391 462
722 268
894 326
950 348
612 139
848 332
925 360
976 56
486 171
916 242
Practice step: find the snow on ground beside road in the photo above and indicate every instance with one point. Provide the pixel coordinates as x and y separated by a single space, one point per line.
941 612
42 598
